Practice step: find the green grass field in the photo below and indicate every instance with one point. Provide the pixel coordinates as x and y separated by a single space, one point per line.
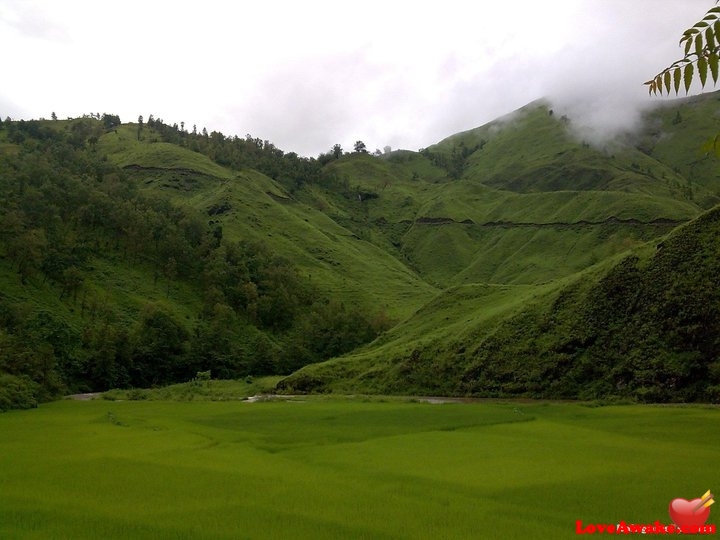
346 468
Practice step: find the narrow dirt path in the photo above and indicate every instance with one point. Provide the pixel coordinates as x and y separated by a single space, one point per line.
84 397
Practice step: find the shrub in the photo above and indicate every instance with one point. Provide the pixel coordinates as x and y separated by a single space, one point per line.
17 392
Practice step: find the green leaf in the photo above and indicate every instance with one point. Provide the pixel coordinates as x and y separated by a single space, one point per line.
668 81
709 17
677 76
713 63
688 44
710 38
688 76
688 34
714 10
702 70
699 44
716 26
701 24
658 83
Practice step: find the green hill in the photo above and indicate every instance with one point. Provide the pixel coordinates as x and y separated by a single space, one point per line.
139 255
641 325
521 201
250 206
131 261
530 205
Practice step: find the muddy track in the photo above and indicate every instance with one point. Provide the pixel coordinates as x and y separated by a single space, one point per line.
180 171
84 397
135 167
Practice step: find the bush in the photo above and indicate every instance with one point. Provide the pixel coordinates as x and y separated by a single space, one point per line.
18 392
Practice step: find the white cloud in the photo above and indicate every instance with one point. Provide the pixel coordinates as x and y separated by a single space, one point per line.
306 75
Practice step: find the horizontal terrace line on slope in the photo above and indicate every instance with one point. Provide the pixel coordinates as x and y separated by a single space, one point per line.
513 224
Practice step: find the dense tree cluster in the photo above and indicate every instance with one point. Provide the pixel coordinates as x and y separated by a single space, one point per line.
454 162
287 168
65 208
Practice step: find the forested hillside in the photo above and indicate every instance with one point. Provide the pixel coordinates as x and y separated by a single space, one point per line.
513 259
106 284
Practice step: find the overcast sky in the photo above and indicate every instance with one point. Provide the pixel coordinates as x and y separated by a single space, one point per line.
307 75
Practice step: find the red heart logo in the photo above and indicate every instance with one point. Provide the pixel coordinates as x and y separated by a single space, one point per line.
681 512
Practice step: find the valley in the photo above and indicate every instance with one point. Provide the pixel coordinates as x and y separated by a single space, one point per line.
442 271
501 322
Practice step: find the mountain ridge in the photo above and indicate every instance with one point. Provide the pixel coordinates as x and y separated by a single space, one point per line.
445 242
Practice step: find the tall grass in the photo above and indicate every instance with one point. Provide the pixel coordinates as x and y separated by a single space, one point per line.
345 468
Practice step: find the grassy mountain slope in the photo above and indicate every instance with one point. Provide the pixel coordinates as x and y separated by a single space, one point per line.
249 205
489 249
562 203
533 150
522 201
642 325
464 311
533 204
677 133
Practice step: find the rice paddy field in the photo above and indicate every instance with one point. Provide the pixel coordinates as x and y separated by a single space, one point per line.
346 468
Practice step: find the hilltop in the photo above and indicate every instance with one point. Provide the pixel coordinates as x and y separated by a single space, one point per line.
140 254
